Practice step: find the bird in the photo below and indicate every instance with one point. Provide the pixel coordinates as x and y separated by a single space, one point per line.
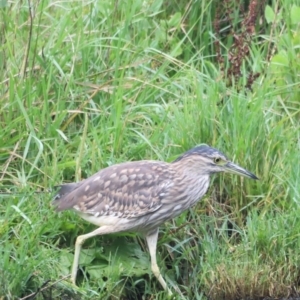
139 196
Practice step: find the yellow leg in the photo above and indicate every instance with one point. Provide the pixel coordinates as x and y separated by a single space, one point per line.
79 242
152 242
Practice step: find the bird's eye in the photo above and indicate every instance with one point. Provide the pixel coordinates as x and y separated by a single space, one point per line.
217 160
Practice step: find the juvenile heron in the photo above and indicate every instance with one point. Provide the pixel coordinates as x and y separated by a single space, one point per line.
139 196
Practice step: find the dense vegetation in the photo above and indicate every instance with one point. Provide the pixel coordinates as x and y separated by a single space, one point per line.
86 84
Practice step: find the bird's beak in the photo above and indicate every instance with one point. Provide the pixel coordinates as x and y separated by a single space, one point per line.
235 169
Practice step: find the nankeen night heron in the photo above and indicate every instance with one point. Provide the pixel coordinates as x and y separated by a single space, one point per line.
139 196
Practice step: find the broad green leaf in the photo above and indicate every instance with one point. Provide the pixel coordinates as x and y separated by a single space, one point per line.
269 14
120 258
175 20
280 59
295 14
65 262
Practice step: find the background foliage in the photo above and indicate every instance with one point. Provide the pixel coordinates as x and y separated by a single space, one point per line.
86 84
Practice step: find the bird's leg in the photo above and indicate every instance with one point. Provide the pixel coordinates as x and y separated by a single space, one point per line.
80 240
151 239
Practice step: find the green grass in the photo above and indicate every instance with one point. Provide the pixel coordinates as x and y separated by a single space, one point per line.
84 85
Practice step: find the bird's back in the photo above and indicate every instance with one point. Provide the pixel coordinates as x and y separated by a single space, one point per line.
127 190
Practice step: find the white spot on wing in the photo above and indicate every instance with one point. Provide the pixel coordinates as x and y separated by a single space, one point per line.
97 178
177 207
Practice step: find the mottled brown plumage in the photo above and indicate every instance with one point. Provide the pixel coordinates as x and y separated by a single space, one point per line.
141 195
126 190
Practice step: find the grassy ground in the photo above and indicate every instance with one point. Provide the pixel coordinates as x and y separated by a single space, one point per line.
84 85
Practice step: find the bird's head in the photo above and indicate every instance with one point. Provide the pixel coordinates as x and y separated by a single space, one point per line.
210 161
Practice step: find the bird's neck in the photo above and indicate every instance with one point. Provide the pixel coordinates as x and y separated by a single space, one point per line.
192 182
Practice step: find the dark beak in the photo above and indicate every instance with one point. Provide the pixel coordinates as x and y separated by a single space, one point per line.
236 169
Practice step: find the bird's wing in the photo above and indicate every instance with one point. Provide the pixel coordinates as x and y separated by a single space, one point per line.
126 190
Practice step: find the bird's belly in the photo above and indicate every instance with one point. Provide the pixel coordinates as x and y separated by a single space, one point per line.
100 220
118 223
159 217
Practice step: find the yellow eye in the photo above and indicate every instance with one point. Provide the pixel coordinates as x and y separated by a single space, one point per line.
217 160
